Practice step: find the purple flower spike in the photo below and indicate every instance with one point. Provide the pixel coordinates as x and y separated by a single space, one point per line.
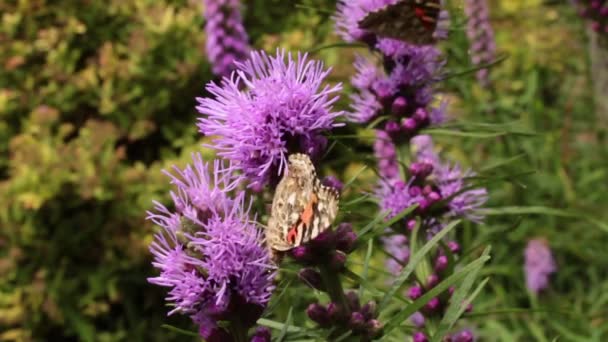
227 39
270 107
481 36
539 265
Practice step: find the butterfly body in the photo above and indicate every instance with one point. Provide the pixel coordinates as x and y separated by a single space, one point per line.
302 207
413 21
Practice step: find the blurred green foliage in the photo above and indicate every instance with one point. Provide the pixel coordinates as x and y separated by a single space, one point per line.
97 97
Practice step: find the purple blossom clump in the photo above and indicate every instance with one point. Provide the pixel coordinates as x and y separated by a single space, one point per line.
209 251
270 107
481 36
227 39
596 13
539 265
439 189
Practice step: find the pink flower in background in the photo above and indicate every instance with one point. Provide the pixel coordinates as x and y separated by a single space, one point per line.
539 265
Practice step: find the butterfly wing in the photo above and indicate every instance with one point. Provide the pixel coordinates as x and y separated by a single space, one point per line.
291 197
413 21
302 207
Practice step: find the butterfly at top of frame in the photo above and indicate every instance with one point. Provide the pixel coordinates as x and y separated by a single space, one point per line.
412 21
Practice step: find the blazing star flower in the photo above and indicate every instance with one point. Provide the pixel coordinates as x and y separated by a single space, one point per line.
402 89
539 265
270 107
209 251
227 39
432 181
481 36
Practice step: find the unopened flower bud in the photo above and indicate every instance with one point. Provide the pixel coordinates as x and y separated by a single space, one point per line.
345 237
312 278
463 336
432 280
399 106
454 247
374 328
414 292
353 301
338 260
301 254
433 304
335 312
333 182
421 115
419 337
369 310
357 321
318 313
262 334
441 263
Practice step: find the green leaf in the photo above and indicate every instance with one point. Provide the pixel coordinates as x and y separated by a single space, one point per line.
517 210
287 324
368 256
414 260
458 304
179 330
279 326
402 315
386 224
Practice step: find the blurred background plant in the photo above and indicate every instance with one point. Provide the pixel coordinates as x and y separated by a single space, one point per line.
97 97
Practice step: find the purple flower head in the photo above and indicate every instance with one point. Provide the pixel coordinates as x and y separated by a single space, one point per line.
210 254
227 40
539 265
404 86
481 36
270 107
446 183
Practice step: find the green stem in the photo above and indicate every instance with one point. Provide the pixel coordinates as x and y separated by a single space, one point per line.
237 330
332 282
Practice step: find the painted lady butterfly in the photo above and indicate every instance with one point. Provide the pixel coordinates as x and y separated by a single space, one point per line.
413 21
302 207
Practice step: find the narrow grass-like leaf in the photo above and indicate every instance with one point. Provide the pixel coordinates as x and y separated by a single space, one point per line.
450 318
279 326
353 178
501 163
336 45
402 315
368 256
517 210
414 260
388 223
286 325
180 331
457 302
